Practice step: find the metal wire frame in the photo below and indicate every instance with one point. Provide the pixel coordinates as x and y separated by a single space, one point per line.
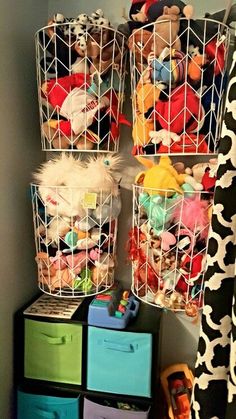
146 272
199 142
111 71
72 260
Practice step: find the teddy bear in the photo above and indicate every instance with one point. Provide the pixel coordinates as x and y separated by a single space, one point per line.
166 29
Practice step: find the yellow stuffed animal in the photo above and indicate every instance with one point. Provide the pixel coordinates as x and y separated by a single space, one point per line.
163 178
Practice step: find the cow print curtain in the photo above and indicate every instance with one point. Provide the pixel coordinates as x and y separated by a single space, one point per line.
214 390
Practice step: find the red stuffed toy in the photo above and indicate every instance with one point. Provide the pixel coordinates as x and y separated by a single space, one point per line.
191 268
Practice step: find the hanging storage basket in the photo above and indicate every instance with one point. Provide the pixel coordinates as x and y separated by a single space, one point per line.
75 237
178 78
168 245
80 86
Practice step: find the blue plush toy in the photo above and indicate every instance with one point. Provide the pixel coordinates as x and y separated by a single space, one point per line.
169 70
157 208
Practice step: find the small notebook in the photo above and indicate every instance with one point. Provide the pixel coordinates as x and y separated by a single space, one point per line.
47 306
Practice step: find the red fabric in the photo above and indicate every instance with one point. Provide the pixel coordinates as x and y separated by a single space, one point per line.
147 3
186 145
213 52
208 182
58 89
179 110
65 127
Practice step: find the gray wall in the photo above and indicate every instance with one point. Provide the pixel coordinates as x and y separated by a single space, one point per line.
20 154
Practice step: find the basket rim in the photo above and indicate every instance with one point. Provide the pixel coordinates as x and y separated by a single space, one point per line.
90 188
54 25
141 187
182 18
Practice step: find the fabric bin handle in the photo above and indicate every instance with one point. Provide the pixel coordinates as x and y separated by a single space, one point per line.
44 414
52 340
116 346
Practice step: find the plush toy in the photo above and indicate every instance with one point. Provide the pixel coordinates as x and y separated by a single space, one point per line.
69 98
170 70
51 277
199 169
146 96
157 208
166 29
181 112
191 268
144 12
193 215
76 28
140 43
62 184
151 10
196 65
163 179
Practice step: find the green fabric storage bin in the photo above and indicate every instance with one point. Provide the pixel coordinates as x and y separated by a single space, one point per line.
53 351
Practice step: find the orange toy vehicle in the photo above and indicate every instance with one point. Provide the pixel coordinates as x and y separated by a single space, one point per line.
177 384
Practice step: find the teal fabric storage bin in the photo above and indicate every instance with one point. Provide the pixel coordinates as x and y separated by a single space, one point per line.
119 362
33 406
53 351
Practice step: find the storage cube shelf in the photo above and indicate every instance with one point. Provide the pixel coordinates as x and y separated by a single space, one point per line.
178 83
57 360
80 87
75 244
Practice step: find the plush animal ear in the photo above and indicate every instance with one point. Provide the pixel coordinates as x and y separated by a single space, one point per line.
145 162
140 178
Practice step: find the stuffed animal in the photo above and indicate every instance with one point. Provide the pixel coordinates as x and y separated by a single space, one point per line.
193 215
191 268
181 112
69 98
151 10
76 28
196 65
62 183
199 169
145 99
166 29
143 12
140 43
170 70
163 179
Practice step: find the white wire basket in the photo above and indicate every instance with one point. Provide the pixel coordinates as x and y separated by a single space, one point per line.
178 78
75 238
168 246
80 87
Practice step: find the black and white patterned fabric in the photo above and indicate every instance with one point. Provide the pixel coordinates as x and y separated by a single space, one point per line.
214 390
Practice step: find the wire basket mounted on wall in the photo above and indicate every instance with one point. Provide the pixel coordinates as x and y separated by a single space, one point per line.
80 77
178 78
168 246
75 237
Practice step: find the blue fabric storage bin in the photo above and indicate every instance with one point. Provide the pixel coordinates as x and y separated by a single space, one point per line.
34 406
119 362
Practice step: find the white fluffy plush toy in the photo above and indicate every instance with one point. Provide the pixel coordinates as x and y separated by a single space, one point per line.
63 182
